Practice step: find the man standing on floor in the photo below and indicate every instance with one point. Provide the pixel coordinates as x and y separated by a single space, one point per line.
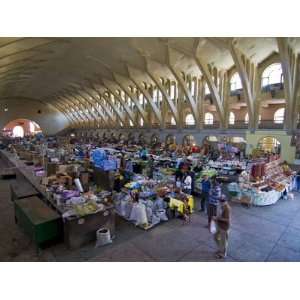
214 197
223 226
205 188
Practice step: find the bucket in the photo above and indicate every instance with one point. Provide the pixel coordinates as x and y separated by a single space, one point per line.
103 237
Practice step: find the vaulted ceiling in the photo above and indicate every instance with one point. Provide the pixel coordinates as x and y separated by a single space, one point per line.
41 67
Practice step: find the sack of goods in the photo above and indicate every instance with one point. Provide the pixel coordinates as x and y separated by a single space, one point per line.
103 237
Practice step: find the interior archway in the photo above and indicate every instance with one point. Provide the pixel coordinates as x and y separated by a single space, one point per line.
189 140
170 139
269 144
21 128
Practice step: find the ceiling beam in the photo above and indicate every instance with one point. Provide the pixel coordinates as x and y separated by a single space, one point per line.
70 106
113 106
237 57
176 73
156 111
83 111
66 113
109 85
290 70
132 96
95 103
155 78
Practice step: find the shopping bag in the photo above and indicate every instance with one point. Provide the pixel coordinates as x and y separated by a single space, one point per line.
213 227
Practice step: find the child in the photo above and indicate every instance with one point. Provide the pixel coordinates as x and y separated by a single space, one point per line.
186 211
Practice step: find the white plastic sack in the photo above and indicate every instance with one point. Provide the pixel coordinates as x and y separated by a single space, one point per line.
103 237
138 214
155 220
213 227
162 215
149 213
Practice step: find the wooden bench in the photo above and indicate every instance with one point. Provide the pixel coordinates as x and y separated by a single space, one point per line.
41 223
21 189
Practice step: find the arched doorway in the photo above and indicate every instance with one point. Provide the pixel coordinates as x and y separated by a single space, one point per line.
142 139
269 144
189 140
121 138
21 128
154 139
170 139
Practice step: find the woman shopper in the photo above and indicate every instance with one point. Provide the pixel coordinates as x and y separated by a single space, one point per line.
187 184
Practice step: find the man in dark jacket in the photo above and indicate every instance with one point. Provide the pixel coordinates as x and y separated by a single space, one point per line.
205 188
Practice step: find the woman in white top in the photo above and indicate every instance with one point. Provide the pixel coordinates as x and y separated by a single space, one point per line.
187 184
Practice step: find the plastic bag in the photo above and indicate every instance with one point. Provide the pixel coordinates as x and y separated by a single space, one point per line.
213 227
98 156
103 237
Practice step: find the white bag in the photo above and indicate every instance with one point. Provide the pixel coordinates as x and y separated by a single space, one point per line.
138 214
213 227
162 215
103 237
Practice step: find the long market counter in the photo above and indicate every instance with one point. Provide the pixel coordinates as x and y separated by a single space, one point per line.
76 230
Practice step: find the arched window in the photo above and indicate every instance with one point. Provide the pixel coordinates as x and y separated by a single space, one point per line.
142 122
173 122
189 119
173 91
18 131
208 118
193 90
235 82
272 75
246 118
141 99
231 118
206 89
279 116
130 123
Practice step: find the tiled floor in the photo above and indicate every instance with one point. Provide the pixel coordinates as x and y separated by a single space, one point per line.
258 234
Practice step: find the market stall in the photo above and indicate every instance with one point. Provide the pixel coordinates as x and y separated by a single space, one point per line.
264 182
82 213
